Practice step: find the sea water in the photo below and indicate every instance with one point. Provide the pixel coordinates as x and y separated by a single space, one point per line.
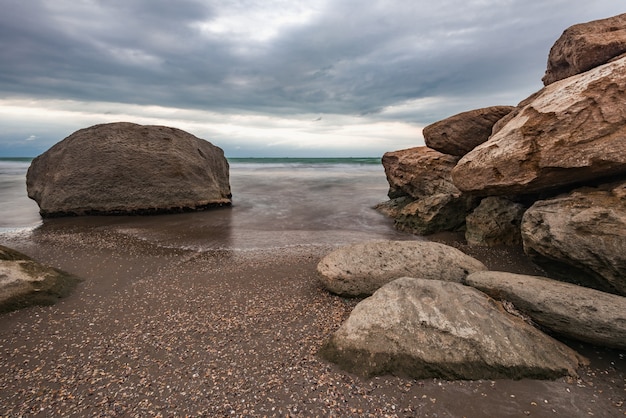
277 202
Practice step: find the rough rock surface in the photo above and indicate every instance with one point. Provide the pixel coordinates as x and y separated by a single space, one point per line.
573 311
580 236
585 46
430 328
24 282
496 221
121 168
461 133
571 131
360 269
424 175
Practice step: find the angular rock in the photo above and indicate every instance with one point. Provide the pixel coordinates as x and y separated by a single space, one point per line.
121 168
24 282
429 328
496 221
585 46
361 269
573 311
424 175
572 131
580 237
461 133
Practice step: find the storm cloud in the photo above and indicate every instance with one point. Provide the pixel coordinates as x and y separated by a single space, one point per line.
282 77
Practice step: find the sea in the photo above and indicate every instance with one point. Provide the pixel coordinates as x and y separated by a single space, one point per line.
277 203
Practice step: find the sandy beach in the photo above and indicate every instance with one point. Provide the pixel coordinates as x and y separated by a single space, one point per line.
157 331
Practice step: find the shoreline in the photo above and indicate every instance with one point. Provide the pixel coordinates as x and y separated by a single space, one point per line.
167 331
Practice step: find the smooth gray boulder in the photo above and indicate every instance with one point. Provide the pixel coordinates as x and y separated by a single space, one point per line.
431 328
361 269
567 309
125 168
25 282
580 237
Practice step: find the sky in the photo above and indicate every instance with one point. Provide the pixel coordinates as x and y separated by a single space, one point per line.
271 78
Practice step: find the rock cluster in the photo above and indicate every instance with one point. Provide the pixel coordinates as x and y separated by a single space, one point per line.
549 174
24 282
125 168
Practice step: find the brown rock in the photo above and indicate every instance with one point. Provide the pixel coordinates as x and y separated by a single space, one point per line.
423 174
496 221
429 328
581 237
585 46
571 131
459 134
573 311
121 168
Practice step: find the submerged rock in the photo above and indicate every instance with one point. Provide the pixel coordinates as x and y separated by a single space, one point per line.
24 282
430 328
361 269
124 168
573 311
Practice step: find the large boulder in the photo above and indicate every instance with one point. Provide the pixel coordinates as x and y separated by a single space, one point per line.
461 133
361 269
429 328
496 221
571 131
567 309
435 204
24 282
585 46
121 168
580 236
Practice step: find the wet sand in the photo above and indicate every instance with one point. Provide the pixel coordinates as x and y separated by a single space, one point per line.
159 331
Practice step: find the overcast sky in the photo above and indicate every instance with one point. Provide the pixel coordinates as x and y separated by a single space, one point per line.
271 77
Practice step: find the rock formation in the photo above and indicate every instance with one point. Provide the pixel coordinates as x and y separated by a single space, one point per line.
461 133
361 269
573 311
496 221
429 328
122 168
570 132
24 282
585 46
424 200
581 236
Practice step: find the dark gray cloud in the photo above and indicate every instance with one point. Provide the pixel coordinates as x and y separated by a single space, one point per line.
281 57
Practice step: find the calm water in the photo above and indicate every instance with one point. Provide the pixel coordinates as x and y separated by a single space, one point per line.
276 203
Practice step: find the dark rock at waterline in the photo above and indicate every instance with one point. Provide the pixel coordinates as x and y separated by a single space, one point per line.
125 168
24 282
430 328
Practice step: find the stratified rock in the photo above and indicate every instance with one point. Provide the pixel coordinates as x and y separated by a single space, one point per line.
424 175
24 282
461 133
572 131
360 269
121 168
581 236
585 46
496 221
573 311
429 328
